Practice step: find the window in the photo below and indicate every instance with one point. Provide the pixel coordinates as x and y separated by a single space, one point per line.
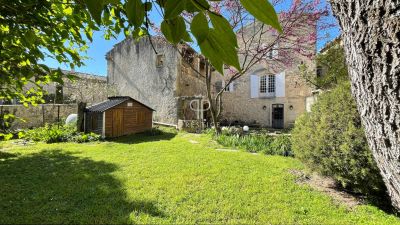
160 60
263 84
319 72
267 85
218 86
230 87
271 83
273 53
202 67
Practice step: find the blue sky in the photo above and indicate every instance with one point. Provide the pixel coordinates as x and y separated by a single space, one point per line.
97 64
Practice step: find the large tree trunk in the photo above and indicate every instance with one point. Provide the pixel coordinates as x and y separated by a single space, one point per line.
371 38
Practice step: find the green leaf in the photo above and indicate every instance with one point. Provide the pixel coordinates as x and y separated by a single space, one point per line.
174 30
30 37
148 6
208 50
199 27
263 11
223 28
135 12
115 2
219 51
197 5
95 8
174 8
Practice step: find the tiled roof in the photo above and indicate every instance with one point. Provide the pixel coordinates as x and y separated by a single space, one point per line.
111 102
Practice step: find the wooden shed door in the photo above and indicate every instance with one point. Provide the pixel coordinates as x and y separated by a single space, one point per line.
117 128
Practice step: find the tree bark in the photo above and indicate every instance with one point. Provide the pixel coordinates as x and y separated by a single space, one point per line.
371 38
80 120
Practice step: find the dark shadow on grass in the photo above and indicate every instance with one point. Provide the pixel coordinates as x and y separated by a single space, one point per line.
145 137
7 155
55 187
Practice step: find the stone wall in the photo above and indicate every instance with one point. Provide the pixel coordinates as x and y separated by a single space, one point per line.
88 88
132 69
36 116
85 87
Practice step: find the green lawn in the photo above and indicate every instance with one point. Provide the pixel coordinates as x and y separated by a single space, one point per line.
164 179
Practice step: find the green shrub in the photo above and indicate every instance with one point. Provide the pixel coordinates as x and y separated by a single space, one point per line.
331 140
233 137
53 133
281 145
82 137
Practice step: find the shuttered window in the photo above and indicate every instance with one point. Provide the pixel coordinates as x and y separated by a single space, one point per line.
267 86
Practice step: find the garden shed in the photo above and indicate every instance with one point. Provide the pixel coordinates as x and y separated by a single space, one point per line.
118 116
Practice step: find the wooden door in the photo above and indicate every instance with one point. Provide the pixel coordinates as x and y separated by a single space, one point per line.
117 125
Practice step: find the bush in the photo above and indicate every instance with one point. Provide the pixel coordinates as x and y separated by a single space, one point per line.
58 133
281 145
270 145
331 141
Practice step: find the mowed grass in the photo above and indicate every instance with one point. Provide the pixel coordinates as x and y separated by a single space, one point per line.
163 179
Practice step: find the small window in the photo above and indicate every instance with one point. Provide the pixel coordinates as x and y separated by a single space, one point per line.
319 71
160 60
218 86
273 53
228 88
202 67
130 104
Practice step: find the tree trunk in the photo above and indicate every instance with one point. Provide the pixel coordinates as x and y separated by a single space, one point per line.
80 120
371 38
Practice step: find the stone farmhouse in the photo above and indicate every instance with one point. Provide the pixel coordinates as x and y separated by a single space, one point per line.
159 75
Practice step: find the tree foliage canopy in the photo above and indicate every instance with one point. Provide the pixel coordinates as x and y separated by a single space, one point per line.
31 30
331 68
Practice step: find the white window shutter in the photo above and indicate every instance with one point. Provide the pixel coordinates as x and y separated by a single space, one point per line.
254 86
280 84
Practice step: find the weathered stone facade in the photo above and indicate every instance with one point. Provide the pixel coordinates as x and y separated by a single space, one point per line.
158 77
244 102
